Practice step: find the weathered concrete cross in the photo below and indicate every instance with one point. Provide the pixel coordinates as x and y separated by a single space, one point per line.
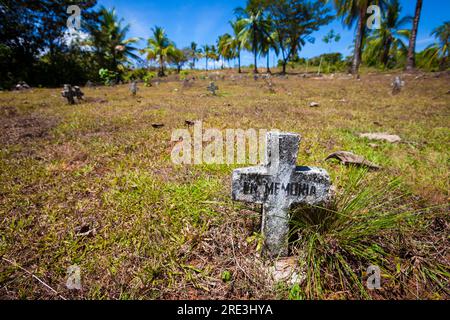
212 88
277 185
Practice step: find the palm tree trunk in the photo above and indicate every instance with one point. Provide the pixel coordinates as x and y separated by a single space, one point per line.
358 41
385 54
411 59
255 69
161 67
206 64
284 61
239 61
268 61
255 51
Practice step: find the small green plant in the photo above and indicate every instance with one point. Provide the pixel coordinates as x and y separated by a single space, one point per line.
108 77
258 238
148 78
226 276
184 74
295 293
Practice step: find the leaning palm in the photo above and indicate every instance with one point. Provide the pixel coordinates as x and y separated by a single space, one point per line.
159 48
411 58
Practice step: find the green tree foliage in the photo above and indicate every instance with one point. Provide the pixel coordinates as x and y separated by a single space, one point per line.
206 53
159 48
386 46
269 42
213 54
438 54
237 43
225 47
255 29
108 38
34 44
352 11
294 21
179 57
194 53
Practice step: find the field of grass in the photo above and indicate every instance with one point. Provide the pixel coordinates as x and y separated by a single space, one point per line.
93 184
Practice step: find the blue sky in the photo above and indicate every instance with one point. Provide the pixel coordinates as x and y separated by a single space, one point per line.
203 21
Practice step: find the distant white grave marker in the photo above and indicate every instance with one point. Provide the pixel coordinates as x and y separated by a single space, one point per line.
277 185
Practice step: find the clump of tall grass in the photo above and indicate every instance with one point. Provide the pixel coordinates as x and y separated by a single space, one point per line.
371 221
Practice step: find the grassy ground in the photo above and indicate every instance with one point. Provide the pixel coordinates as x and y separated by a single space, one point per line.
157 230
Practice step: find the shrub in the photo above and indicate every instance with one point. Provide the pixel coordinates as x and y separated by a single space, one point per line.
135 74
108 77
148 78
184 74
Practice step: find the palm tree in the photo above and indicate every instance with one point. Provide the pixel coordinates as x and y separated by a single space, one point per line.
195 52
253 31
391 32
159 48
206 54
236 40
411 59
109 40
179 57
269 42
390 36
213 55
351 11
439 53
225 47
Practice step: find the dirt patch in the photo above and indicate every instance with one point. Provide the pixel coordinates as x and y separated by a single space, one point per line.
19 129
8 111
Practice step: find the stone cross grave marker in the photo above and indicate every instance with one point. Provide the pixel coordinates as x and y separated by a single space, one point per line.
133 88
277 185
397 85
70 93
212 88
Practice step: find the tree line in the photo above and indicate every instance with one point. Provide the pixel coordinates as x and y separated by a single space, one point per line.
36 47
